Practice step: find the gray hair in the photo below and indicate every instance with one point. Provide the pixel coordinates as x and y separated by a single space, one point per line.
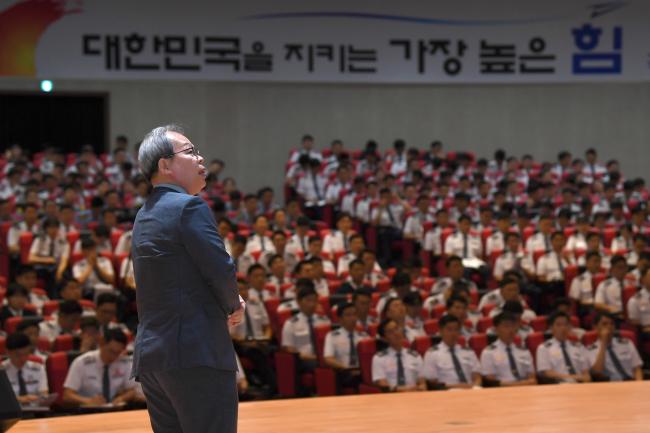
155 146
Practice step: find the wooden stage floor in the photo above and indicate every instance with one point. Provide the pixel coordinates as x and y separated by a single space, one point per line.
593 408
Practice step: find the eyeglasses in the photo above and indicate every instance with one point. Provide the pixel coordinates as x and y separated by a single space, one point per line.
188 151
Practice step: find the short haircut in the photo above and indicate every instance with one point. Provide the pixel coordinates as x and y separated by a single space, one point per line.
381 329
342 307
616 259
412 299
504 317
591 254
557 315
50 223
401 279
513 307
447 319
305 288
88 243
254 268
28 322
301 264
274 258
70 307
561 301
115 335
88 322
557 233
452 259
155 146
361 292
355 236
17 341
106 298
24 269
356 262
509 280
599 316
456 298
15 289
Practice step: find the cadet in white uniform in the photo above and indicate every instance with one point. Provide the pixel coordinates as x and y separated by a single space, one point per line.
638 307
582 289
449 364
28 378
64 323
513 258
397 368
102 376
541 240
340 350
559 358
94 273
612 357
298 334
497 240
462 242
504 362
339 240
609 293
455 272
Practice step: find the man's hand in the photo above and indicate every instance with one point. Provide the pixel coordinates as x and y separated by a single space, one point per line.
236 318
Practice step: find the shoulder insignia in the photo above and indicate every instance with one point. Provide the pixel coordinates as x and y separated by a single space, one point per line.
492 346
294 319
413 352
592 346
336 333
383 352
89 360
548 343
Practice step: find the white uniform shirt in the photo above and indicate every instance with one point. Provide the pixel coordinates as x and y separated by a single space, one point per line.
337 345
297 245
493 297
93 281
439 364
33 374
13 235
414 225
610 292
87 372
626 353
44 246
312 188
638 307
548 266
495 362
391 216
259 243
538 242
124 243
384 366
582 289
50 329
336 241
445 283
577 241
334 189
510 260
256 313
550 358
455 245
495 242
433 241
295 332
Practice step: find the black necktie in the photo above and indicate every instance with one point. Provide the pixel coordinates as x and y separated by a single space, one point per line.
22 386
51 248
312 333
560 266
401 378
249 325
262 242
316 189
512 362
465 246
106 385
547 243
567 359
457 366
303 243
390 215
617 363
345 241
353 350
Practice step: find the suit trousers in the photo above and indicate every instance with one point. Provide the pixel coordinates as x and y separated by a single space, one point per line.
191 400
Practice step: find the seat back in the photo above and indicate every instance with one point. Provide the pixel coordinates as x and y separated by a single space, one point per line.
533 341
478 342
63 343
366 349
321 332
25 243
57 370
484 323
421 344
431 326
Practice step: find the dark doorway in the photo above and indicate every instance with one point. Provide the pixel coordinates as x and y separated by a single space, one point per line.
66 121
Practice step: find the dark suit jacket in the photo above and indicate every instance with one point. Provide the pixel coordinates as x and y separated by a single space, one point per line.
186 285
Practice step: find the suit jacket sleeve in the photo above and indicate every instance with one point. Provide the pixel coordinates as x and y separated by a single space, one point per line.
205 246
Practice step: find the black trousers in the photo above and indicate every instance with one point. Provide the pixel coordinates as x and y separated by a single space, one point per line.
191 400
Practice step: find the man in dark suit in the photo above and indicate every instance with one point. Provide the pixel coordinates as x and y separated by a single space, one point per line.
187 295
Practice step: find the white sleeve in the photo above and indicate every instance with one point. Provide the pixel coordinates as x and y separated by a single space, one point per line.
75 376
328 350
43 387
600 293
33 249
487 363
543 363
429 370
378 371
287 334
632 310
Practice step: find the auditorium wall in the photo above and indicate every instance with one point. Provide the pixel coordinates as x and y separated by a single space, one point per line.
253 126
